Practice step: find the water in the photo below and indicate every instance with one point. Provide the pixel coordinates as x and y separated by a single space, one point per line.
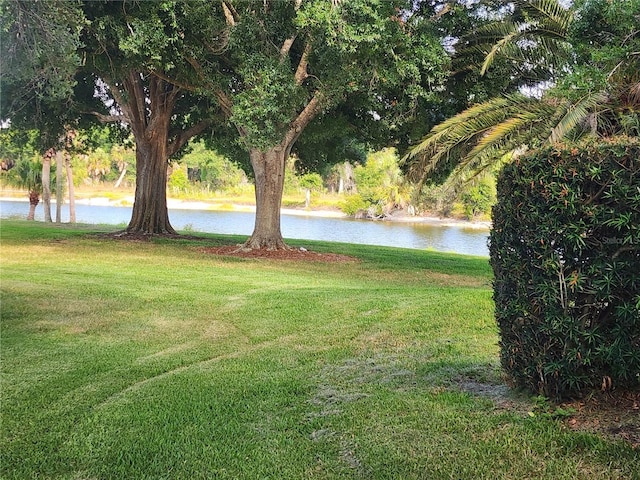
456 239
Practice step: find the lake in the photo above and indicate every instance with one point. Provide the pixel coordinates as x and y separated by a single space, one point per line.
417 235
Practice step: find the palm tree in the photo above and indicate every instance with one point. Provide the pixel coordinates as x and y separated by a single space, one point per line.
27 174
484 135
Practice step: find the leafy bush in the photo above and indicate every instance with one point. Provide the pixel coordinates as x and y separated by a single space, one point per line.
216 171
565 251
478 199
178 180
352 204
311 181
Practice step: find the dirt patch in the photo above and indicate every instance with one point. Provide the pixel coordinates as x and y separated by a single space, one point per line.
295 254
614 415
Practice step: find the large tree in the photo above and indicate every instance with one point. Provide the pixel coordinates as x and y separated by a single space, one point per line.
286 64
131 51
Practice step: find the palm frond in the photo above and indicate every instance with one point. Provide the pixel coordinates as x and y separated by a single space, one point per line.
464 138
520 127
547 23
505 47
479 137
551 13
576 113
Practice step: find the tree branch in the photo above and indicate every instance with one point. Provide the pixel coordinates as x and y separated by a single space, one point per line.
224 101
173 81
102 118
286 46
230 13
133 86
301 71
183 137
310 112
116 94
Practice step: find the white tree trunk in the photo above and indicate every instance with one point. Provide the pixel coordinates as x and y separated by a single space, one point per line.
121 177
59 188
71 189
46 186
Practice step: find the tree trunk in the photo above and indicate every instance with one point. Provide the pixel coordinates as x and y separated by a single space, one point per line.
34 200
150 214
71 189
46 186
59 189
148 108
121 177
269 170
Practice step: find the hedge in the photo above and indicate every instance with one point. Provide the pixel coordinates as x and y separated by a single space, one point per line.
565 251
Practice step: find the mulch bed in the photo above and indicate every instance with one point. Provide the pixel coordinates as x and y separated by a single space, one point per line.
295 254
291 254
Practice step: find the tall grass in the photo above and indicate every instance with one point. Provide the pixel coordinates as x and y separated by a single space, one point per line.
156 360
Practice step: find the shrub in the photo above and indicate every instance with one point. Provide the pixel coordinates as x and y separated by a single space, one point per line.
311 181
565 251
178 180
352 204
478 199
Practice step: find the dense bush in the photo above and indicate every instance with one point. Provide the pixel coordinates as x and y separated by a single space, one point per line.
478 199
352 204
565 250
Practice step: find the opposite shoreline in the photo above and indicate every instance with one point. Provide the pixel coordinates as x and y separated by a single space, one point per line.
177 204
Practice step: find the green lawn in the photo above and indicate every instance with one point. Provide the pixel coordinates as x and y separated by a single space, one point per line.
155 360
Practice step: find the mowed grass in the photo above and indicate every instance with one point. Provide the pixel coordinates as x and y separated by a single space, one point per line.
156 360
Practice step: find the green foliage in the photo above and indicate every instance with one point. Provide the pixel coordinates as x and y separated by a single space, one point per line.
380 185
352 204
267 105
98 164
216 172
178 180
311 181
565 250
40 42
379 180
26 173
589 47
478 199
606 43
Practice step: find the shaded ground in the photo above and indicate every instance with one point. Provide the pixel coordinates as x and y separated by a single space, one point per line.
614 415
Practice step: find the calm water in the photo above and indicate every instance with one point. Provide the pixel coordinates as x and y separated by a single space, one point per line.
456 239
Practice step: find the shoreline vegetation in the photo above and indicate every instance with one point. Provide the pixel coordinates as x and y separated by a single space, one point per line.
243 204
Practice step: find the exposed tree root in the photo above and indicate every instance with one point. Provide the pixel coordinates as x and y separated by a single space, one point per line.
269 244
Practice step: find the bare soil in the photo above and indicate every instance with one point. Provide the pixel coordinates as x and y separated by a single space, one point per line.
615 415
295 254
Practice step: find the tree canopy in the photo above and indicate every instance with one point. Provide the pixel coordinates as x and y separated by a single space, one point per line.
40 57
285 65
594 91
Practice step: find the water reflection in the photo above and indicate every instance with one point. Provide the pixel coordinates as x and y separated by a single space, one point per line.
455 239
